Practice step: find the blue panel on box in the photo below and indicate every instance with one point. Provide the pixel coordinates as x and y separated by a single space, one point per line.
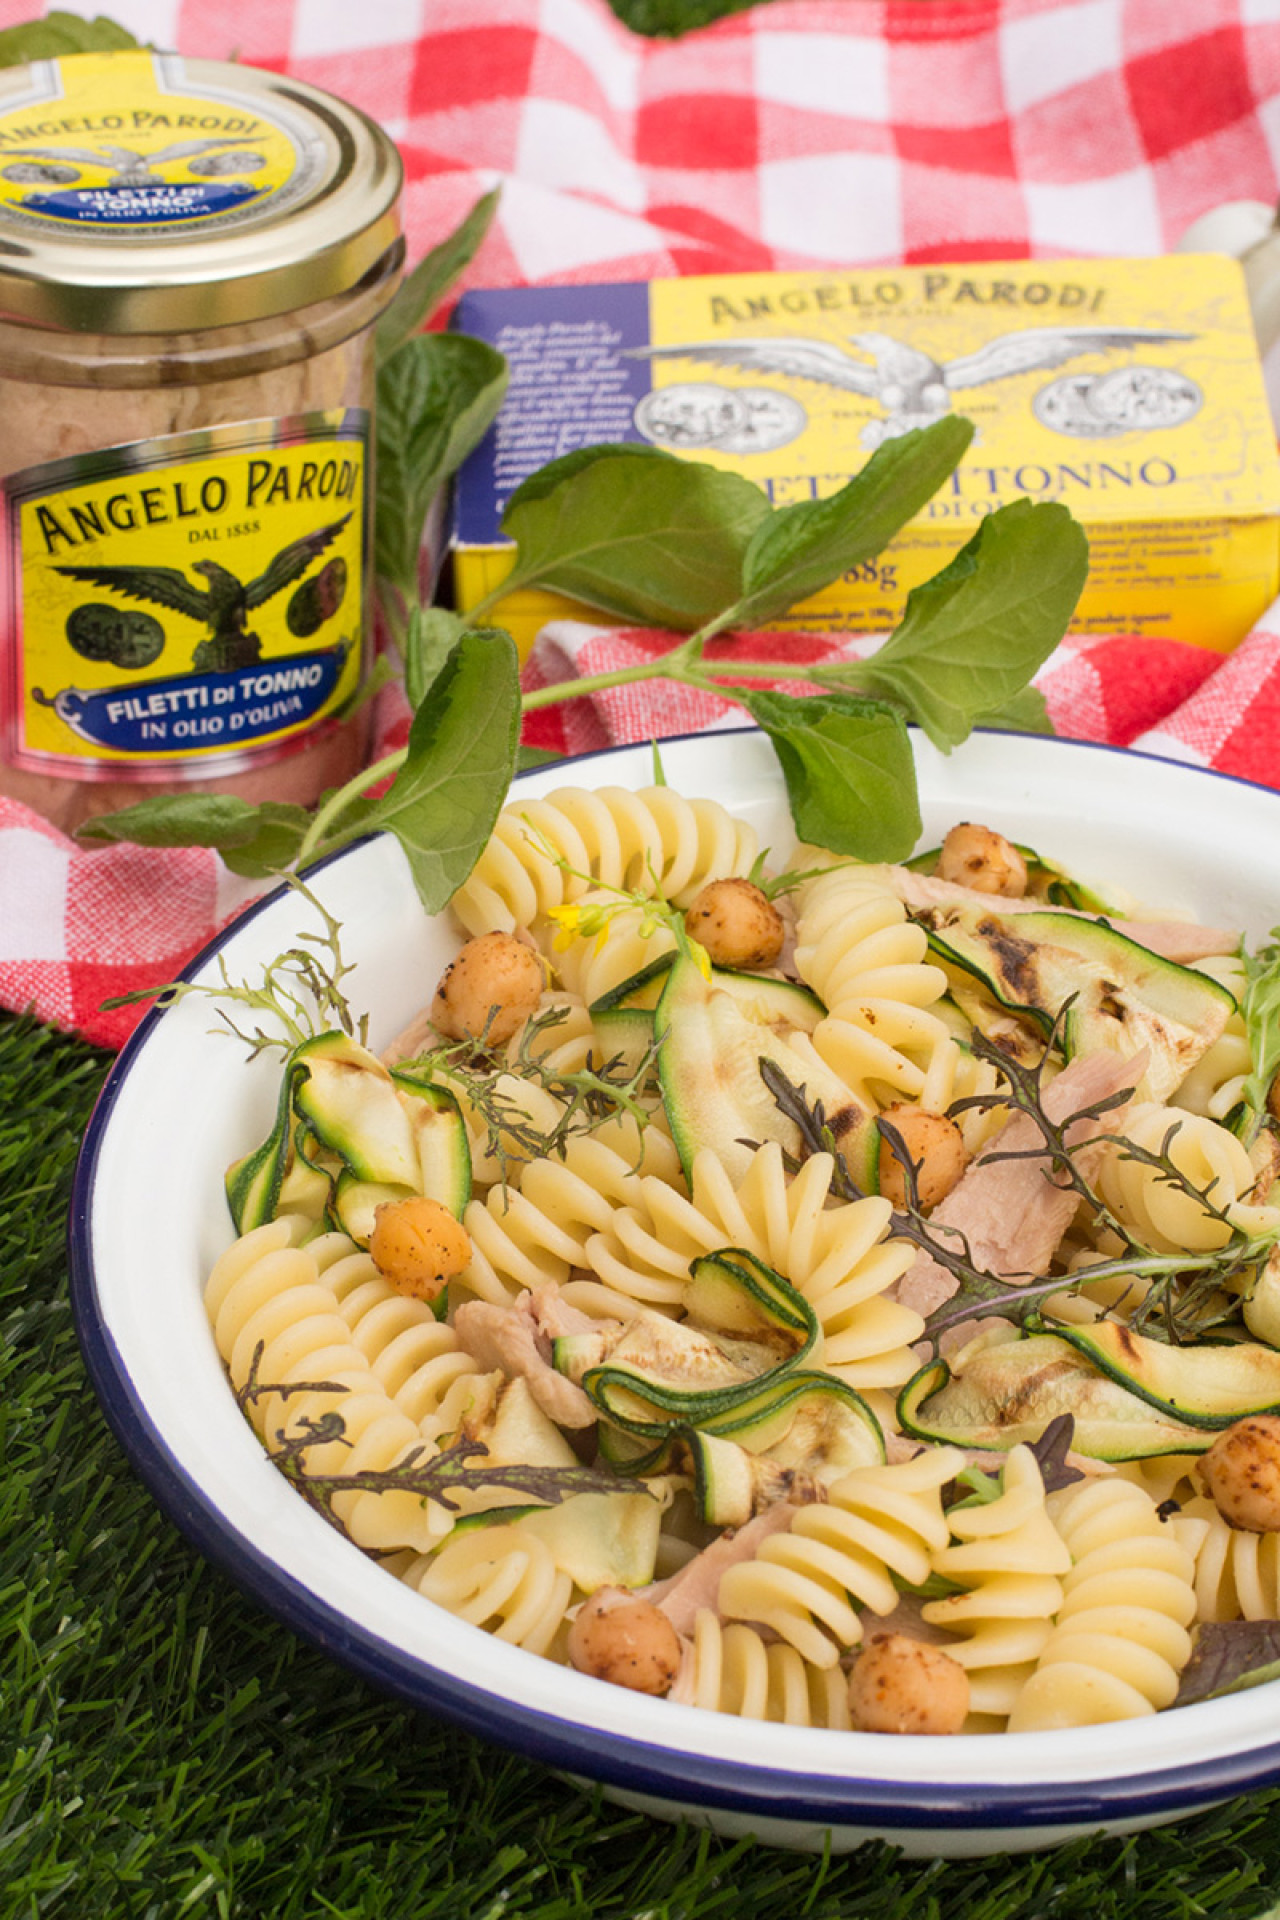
572 385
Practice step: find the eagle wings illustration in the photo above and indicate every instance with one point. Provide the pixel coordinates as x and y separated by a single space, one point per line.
132 169
224 604
912 387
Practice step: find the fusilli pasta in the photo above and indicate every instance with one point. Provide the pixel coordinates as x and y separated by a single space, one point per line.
1121 1637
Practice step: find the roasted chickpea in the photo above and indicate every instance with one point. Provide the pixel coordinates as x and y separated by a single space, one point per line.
901 1685
1241 1473
980 858
489 990
935 1143
418 1246
737 924
630 1642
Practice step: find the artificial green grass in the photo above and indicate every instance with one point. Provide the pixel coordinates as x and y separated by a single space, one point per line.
170 1752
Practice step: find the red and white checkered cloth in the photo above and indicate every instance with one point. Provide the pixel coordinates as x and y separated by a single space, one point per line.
803 133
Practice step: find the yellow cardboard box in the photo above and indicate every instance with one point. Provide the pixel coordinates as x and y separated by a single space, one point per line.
1129 389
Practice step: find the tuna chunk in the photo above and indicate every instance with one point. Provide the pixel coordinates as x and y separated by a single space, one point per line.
697 1585
518 1339
1011 1212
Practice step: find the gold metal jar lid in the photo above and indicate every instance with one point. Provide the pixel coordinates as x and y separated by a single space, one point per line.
144 193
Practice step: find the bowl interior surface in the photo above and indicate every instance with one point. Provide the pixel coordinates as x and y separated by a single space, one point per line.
150 1218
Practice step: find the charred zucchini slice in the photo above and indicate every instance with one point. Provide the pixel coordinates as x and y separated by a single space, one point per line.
1008 1391
1117 995
709 1066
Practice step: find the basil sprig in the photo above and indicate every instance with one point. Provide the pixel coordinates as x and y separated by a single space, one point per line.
654 540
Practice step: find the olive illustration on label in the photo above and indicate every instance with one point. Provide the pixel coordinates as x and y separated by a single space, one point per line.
317 600
225 603
36 173
122 635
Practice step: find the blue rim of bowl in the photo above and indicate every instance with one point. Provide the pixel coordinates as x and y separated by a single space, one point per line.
616 1760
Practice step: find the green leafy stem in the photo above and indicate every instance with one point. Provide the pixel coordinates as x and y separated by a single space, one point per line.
654 540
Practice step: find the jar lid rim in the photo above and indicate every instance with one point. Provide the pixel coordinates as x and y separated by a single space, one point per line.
141 192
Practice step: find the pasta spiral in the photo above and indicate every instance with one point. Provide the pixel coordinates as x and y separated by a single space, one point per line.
865 959
730 1669
527 1236
1006 1554
838 1257
651 842
1154 1209
1120 1639
841 1554
591 967
268 1300
415 1358
564 1047
1215 1083
501 1578
1237 1572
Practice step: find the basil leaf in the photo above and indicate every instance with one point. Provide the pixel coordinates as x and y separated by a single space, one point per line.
1228 1656
436 397
218 820
61 33
973 636
636 531
849 771
422 290
553 473
433 633
1026 712
529 757
799 550
462 750
274 844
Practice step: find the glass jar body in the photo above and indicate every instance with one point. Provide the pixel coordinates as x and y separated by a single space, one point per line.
187 583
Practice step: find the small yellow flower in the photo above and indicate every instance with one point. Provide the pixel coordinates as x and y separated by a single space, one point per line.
701 959
567 919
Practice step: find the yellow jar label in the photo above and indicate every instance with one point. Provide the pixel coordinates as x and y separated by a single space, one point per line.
130 141
184 601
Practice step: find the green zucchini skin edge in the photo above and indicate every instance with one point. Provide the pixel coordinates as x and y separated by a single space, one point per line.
1104 1347
253 1183
709 1060
1080 1381
775 1305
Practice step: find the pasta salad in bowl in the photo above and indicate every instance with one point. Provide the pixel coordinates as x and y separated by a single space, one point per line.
794 1341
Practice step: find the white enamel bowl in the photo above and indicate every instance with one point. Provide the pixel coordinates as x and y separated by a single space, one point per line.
149 1218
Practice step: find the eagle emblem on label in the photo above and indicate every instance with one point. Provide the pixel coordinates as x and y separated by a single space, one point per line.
912 387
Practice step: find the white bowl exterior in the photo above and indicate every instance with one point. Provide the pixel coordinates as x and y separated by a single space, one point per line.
188 1104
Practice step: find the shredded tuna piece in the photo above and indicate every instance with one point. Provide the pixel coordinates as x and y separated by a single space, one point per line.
1177 940
1010 1211
510 1338
552 1315
697 1585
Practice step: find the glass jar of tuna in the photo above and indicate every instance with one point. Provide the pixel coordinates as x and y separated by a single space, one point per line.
192 259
